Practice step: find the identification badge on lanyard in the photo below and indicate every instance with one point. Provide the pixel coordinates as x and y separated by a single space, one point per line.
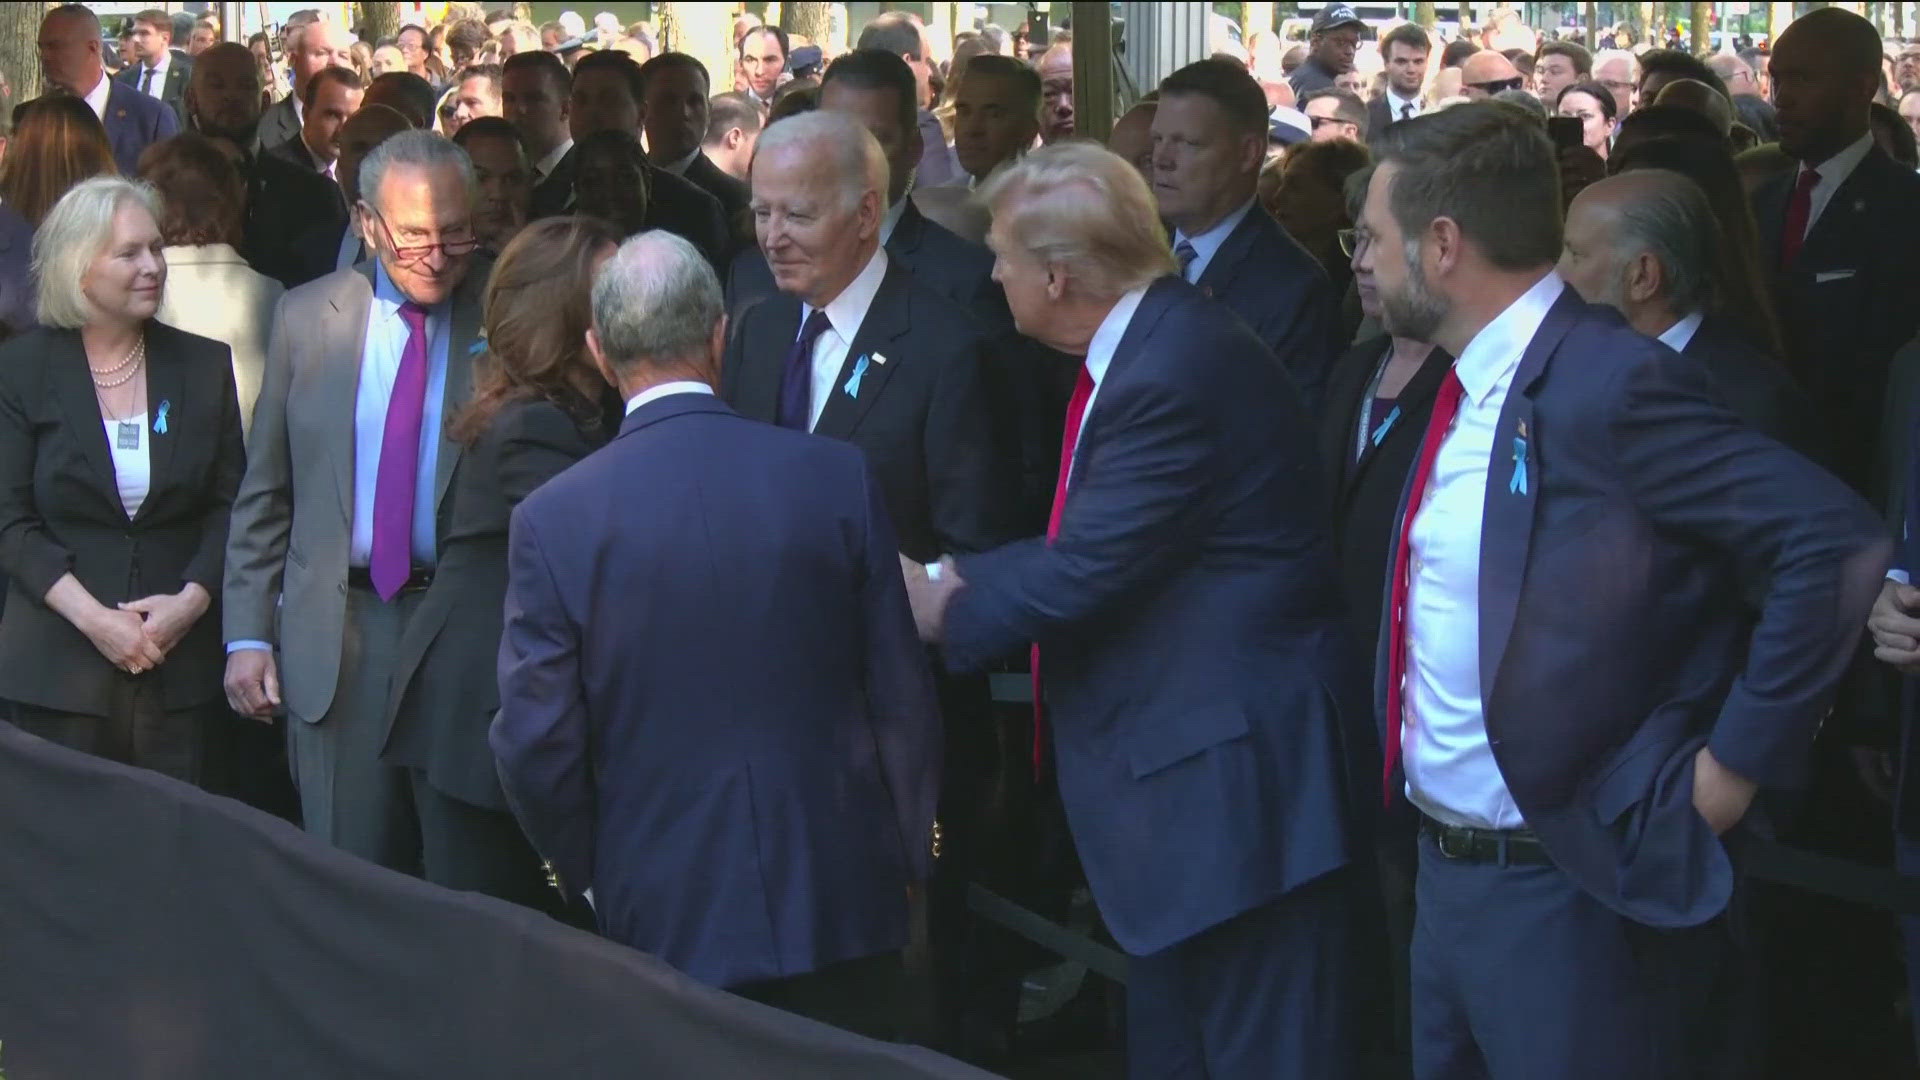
129 436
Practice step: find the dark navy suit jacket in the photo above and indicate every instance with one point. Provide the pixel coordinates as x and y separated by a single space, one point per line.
1615 634
134 122
1265 277
1190 629
714 709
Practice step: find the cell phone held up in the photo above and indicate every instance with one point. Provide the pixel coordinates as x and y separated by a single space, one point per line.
1566 132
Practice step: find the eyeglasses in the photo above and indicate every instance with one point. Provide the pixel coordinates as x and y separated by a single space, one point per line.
1352 240
1616 85
1497 85
452 248
1318 122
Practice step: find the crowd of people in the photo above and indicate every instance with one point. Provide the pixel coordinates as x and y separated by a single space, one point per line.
1444 509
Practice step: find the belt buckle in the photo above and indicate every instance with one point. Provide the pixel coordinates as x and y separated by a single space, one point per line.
1445 836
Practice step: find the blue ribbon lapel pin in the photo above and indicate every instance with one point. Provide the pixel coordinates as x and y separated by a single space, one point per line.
1518 484
160 418
852 387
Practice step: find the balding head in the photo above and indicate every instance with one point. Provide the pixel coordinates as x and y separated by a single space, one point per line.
1735 72
1701 98
819 185
317 46
223 92
1644 242
70 49
1486 73
657 314
1826 72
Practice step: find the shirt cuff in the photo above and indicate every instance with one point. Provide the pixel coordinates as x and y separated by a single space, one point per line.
1899 576
236 646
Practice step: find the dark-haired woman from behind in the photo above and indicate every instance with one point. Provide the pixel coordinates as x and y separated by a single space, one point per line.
57 142
539 406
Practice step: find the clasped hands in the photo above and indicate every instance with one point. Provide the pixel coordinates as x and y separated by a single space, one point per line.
929 595
137 635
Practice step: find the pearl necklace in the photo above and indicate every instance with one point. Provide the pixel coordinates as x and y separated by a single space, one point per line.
131 365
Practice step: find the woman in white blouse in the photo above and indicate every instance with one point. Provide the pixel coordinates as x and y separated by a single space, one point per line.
211 291
120 453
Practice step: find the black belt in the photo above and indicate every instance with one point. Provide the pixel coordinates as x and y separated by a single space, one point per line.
1502 846
417 581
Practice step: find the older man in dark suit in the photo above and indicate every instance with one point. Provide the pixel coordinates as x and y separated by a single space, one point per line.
1837 231
760 834
1571 695
1209 143
311 49
71 62
1190 646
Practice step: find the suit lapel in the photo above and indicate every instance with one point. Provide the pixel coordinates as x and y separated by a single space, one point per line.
1413 397
881 335
1832 242
464 333
1161 296
344 341
907 232
74 388
1226 261
1506 521
166 388
770 330
1770 215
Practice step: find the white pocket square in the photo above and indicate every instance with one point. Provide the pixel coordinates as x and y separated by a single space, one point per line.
1832 275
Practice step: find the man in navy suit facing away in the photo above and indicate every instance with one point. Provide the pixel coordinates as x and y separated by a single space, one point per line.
716 721
1577 695
1189 636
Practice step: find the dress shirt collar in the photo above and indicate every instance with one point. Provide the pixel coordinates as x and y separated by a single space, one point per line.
545 166
1835 170
847 311
679 168
1678 336
1205 244
160 68
96 98
1107 338
1395 103
1496 350
299 110
892 220
654 393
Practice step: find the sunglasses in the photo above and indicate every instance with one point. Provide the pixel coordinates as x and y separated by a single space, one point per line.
1497 85
1319 122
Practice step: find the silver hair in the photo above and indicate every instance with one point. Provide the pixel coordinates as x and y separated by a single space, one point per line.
656 299
75 232
420 149
835 138
1668 216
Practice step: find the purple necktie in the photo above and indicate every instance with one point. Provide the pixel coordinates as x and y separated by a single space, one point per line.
796 379
393 496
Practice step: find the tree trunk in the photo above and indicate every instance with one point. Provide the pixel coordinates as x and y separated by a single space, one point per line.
812 21
20 51
1702 27
1423 14
379 21
702 31
1591 17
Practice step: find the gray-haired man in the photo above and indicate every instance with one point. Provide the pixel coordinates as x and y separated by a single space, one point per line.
334 529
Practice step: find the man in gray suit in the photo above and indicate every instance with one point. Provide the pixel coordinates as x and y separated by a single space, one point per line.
335 528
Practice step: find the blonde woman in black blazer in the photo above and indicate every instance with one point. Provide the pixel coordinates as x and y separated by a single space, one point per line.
120 452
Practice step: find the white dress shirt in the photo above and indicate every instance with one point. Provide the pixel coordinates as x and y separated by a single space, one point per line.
1207 243
1678 336
157 82
1833 172
666 389
545 166
1451 772
132 465
845 313
1397 104
96 98
1100 352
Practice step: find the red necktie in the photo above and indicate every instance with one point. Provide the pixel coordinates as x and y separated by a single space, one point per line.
1445 407
1799 210
1069 439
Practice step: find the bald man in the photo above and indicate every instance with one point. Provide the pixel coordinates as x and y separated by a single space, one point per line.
1701 98
313 47
1486 73
1056 94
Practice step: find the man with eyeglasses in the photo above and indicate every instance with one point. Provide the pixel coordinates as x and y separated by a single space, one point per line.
334 529
1486 73
1336 114
1332 44
1619 72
